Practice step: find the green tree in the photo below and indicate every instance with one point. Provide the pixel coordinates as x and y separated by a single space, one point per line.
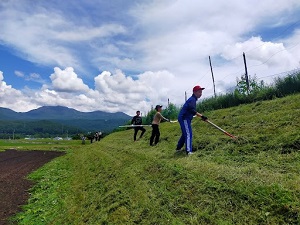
171 112
149 117
254 85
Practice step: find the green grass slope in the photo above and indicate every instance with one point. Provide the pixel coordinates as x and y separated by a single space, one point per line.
253 180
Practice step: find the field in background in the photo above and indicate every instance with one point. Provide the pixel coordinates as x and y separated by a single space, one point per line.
39 144
253 180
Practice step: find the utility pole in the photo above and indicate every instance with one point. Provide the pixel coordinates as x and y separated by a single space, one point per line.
185 95
168 107
246 73
212 74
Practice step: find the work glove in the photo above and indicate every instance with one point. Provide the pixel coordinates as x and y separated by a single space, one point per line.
204 118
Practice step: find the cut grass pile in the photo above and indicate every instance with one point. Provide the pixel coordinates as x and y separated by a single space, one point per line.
253 180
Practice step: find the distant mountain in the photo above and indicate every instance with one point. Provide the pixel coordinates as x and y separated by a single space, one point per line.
58 113
7 114
64 116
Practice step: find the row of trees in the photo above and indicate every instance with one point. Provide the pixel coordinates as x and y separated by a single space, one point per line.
257 91
36 129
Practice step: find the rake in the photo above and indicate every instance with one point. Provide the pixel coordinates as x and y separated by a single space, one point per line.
219 128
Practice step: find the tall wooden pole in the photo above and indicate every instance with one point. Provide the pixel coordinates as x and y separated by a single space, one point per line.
168 108
246 72
212 74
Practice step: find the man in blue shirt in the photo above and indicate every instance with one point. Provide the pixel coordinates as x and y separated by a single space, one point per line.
185 117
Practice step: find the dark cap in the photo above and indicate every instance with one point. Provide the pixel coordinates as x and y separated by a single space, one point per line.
157 107
197 88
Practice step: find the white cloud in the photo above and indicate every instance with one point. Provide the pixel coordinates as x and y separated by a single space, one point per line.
67 81
112 93
19 73
130 95
12 98
48 37
31 77
261 52
87 34
34 77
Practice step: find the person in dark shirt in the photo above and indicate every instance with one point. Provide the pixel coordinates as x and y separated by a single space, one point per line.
137 121
186 114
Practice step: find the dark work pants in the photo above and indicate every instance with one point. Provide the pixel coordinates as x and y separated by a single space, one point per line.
136 129
155 134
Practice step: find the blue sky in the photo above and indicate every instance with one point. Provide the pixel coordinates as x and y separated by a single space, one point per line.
132 55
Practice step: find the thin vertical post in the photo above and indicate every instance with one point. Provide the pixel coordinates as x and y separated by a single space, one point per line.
246 72
212 74
168 108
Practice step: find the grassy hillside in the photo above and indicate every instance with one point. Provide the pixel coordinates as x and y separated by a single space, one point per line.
253 180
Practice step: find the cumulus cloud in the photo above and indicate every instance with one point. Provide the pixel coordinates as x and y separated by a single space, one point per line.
67 80
113 92
12 98
130 95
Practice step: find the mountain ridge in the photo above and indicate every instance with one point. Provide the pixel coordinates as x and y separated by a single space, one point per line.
59 116
56 112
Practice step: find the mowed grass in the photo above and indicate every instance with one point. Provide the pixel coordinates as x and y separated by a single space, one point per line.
252 180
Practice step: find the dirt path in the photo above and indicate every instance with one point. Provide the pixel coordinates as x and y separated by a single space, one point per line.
14 167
